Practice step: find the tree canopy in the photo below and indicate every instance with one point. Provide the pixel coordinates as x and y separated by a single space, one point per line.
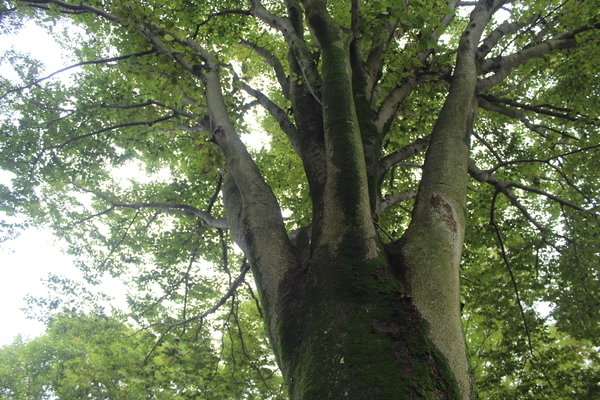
195 140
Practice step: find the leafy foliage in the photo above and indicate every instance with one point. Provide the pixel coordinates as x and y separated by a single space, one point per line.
98 357
121 162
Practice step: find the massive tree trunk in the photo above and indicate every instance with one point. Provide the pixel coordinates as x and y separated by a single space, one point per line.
347 316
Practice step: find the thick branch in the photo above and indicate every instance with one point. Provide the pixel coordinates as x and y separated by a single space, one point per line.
441 203
390 200
355 18
483 85
404 153
520 57
278 113
258 223
373 65
390 104
506 28
346 197
303 56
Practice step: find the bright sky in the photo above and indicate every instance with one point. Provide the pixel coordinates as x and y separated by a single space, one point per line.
26 261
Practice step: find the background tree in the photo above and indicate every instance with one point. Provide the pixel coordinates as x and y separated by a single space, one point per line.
403 137
85 356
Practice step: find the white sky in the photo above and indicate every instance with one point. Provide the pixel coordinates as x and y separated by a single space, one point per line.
27 260
24 262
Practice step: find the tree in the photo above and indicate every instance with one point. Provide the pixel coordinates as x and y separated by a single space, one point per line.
410 144
93 356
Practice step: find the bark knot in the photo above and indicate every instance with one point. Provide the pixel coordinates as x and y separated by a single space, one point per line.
443 209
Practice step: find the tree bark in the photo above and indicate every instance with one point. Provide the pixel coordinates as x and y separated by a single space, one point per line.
349 317
353 320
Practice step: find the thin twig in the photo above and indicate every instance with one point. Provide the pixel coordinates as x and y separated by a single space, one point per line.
111 128
515 286
80 64
230 292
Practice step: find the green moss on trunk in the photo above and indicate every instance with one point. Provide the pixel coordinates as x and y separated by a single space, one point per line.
350 331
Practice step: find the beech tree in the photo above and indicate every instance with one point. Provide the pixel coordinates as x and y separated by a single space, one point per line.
429 169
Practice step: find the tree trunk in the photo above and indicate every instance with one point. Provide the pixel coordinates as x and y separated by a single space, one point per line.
349 330
347 316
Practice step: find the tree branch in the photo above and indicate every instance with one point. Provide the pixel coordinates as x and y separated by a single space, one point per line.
509 112
175 110
396 96
218 14
81 221
564 41
389 106
390 200
80 64
257 221
506 28
404 153
230 292
512 276
503 65
302 54
539 109
183 209
274 63
277 112
355 18
170 51
504 186
81 7
111 128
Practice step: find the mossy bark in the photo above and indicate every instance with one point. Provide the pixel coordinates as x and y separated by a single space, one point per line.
349 330
354 319
347 326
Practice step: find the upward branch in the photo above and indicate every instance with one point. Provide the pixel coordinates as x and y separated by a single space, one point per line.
303 56
346 196
256 221
433 273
